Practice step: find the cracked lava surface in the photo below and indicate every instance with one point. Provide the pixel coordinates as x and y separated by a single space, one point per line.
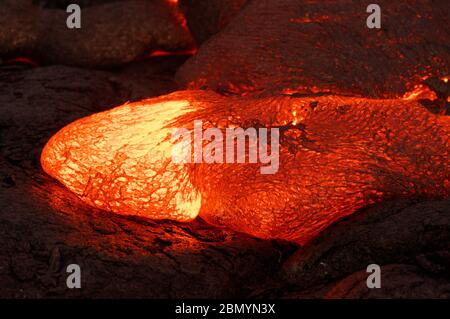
342 154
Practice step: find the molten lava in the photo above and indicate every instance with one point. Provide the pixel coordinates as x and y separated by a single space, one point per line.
158 53
337 154
120 160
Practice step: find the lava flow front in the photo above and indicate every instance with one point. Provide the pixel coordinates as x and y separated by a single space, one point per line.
336 155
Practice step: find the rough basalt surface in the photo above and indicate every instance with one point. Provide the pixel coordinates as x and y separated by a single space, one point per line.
408 239
324 46
111 34
206 18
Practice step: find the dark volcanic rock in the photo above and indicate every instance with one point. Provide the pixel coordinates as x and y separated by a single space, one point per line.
392 232
316 46
398 281
206 18
45 227
62 4
110 34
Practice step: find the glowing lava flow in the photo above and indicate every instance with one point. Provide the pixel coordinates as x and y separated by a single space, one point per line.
120 160
337 154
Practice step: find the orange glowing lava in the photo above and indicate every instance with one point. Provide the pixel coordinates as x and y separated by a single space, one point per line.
337 154
120 160
420 91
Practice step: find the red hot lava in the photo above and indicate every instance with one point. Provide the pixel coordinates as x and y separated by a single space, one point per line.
337 154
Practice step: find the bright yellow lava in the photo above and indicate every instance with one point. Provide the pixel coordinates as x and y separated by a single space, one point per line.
120 160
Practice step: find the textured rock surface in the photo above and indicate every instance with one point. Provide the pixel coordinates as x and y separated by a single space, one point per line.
409 240
399 281
62 4
407 232
317 46
45 227
110 34
206 18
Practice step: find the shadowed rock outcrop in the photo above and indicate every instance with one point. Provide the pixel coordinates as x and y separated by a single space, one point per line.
111 34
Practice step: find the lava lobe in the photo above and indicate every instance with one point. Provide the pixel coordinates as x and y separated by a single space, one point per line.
336 154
